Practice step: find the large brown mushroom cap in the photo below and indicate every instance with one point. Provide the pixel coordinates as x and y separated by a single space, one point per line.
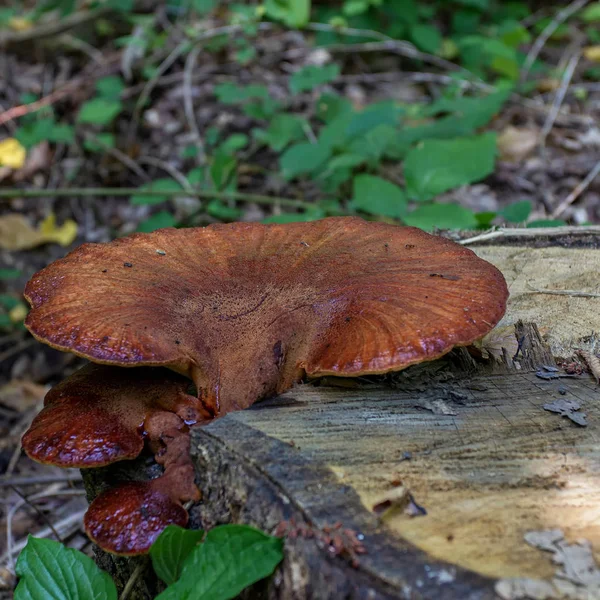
247 309
100 415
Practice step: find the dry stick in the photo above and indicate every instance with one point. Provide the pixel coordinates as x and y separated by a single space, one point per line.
188 100
16 349
132 580
74 192
531 232
24 481
559 98
175 173
573 293
120 156
540 42
577 191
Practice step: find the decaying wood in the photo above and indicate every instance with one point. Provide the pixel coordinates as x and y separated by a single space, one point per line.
469 440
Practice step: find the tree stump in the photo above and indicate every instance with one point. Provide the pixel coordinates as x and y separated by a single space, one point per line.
467 440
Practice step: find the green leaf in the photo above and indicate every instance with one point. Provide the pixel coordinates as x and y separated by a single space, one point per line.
99 111
546 223
294 13
441 216
171 548
44 130
158 220
263 109
203 7
344 161
100 142
230 93
110 87
303 158
518 212
8 302
310 77
591 13
232 558
158 185
7 274
330 106
236 141
426 38
222 169
6 323
382 113
47 570
436 166
223 212
282 131
377 196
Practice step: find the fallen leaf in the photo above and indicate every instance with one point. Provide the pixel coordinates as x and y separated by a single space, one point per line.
12 154
16 233
517 143
20 24
592 53
22 395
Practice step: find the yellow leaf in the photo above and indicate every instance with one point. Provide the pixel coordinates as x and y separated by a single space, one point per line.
16 233
592 53
63 235
18 313
12 154
20 24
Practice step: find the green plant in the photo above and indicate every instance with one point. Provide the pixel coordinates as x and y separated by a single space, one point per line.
217 565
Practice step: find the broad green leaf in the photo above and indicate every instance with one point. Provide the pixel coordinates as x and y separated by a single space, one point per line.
263 109
170 550
44 130
518 212
344 161
303 158
377 196
436 166
7 274
49 571
232 558
330 106
441 216
426 38
99 111
310 77
484 219
236 141
546 223
382 113
591 13
352 8
282 131
110 87
158 220
219 210
374 144
158 185
222 169
9 302
203 7
294 13
230 93
100 142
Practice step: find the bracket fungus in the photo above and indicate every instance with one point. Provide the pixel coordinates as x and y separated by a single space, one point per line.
244 310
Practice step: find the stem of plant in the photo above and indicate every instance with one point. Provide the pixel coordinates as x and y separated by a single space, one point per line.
74 192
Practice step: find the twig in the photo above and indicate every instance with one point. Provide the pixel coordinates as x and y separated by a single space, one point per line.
13 481
74 192
573 293
175 173
53 27
559 97
545 35
132 580
188 100
577 191
508 233
120 156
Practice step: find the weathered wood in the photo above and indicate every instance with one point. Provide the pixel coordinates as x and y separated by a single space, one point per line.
469 439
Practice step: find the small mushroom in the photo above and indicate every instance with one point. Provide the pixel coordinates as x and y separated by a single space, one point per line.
99 415
247 309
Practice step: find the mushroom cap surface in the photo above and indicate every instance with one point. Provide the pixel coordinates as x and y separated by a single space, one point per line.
97 415
247 309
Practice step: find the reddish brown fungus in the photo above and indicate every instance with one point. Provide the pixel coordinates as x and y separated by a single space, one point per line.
246 309
100 415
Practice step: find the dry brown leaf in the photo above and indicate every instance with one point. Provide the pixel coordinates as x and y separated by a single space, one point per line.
16 233
493 343
517 143
12 153
22 395
593 362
